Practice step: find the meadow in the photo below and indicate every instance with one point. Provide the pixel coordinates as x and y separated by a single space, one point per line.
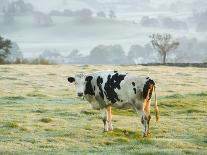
40 113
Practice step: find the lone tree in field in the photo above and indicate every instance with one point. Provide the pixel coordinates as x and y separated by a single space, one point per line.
5 46
163 43
112 14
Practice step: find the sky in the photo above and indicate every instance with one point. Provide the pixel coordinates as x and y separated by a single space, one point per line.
47 5
66 35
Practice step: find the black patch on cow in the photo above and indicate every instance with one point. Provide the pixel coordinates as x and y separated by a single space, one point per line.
113 82
88 78
135 90
89 89
121 100
99 84
147 87
133 83
71 79
94 88
115 71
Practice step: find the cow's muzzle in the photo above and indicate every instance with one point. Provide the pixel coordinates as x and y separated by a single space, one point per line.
80 94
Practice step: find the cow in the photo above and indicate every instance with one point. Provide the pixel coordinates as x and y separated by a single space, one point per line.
114 89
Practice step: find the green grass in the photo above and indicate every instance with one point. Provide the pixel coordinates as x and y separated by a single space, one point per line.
46 120
11 125
51 120
77 129
12 98
35 94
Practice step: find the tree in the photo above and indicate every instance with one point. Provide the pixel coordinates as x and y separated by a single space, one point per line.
85 15
4 5
14 54
20 7
163 43
140 54
101 14
169 23
8 18
5 46
74 54
107 54
42 19
75 57
149 22
112 14
68 13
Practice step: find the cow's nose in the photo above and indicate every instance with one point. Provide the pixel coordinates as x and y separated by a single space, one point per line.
80 94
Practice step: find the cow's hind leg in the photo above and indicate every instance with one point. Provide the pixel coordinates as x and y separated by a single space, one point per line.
110 127
145 118
145 122
104 116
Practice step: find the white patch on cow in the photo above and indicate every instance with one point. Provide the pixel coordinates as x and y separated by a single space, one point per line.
80 83
126 93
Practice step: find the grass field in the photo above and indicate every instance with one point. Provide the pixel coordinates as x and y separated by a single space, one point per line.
40 113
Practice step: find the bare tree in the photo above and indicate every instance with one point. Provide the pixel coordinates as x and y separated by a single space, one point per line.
5 46
112 14
164 43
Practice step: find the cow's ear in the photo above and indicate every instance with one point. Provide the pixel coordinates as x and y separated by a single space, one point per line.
88 78
71 79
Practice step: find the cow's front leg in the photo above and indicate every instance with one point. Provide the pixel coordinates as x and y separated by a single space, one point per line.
110 127
104 116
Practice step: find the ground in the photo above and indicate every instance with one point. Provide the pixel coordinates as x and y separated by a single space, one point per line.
40 113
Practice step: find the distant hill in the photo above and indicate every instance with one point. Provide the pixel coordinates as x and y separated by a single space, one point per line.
71 32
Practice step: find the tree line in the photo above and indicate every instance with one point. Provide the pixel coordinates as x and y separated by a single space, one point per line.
110 54
161 48
20 8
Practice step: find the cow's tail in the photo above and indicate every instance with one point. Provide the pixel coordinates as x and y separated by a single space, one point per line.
156 108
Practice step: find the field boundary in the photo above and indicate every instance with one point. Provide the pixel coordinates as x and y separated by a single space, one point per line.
200 65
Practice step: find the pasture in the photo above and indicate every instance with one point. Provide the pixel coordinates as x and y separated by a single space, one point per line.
40 113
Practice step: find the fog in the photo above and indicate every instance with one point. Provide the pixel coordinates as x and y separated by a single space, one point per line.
62 26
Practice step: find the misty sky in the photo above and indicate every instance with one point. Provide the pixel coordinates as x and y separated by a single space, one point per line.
47 5
65 35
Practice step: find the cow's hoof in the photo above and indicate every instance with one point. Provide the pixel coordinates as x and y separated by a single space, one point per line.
111 128
104 130
144 135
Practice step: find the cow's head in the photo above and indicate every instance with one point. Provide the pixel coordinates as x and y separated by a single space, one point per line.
79 81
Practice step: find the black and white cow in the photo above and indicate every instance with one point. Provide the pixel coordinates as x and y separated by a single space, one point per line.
111 88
